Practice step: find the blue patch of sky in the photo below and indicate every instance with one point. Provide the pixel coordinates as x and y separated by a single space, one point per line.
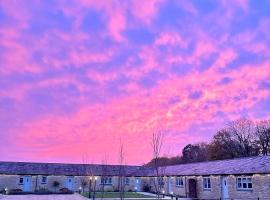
174 100
207 62
93 22
261 8
113 87
5 19
9 120
205 7
181 69
195 95
225 81
265 85
219 114
48 19
55 99
150 79
261 108
242 24
139 36
172 15
244 57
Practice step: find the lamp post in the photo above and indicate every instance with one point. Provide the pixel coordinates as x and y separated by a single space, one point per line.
95 183
90 187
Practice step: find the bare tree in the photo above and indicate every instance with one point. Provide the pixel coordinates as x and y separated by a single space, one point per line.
121 177
263 136
157 143
104 173
88 179
242 132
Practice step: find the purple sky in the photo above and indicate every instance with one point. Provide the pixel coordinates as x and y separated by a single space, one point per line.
77 76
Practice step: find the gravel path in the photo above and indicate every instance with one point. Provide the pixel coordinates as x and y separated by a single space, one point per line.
42 197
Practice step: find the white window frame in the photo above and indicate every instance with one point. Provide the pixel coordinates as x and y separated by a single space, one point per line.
207 183
46 179
244 183
179 181
106 180
160 181
21 182
127 180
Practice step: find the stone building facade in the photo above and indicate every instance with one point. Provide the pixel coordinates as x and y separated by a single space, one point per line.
228 179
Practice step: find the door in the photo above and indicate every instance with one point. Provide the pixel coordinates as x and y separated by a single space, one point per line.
27 183
192 188
169 185
138 185
224 187
70 182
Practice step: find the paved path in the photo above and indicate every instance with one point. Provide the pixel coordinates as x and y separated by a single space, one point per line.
43 197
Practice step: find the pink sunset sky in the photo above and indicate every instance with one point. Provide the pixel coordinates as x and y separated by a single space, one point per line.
77 76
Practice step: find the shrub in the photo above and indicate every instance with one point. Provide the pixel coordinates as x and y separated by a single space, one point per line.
15 191
65 191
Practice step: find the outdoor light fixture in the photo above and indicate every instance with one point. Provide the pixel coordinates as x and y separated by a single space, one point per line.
163 191
96 178
135 188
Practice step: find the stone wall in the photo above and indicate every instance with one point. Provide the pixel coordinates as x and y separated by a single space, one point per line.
12 182
261 187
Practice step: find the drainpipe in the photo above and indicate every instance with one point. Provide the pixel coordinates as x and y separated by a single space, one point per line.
36 183
186 186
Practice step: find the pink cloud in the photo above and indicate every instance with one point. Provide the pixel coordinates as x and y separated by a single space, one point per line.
145 11
166 38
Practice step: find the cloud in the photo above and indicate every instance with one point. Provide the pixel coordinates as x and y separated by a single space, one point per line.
77 76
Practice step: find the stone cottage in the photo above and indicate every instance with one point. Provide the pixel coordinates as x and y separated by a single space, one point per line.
235 179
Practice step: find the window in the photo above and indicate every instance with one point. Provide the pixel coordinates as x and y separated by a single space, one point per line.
106 180
21 181
244 183
127 181
43 179
206 183
160 181
179 181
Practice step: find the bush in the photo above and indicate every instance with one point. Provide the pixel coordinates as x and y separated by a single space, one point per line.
42 190
15 191
65 191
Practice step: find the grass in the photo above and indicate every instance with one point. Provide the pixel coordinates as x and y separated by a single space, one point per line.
116 195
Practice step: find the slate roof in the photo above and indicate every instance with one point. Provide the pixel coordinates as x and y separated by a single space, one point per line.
250 165
23 168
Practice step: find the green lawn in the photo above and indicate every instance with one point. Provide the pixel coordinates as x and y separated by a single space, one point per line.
116 195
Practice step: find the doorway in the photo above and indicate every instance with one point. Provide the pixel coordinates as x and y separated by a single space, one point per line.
224 187
70 181
27 183
192 188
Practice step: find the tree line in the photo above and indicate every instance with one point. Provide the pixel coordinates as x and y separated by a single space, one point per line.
239 138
